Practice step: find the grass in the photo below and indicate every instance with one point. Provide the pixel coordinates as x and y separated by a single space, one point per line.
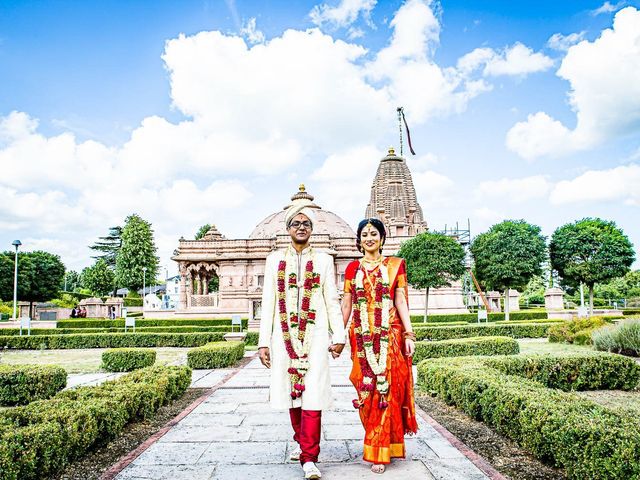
542 346
83 360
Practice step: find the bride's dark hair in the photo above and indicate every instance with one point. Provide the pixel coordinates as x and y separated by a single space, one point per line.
378 226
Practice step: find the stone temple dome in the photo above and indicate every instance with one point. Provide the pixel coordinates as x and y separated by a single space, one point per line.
327 223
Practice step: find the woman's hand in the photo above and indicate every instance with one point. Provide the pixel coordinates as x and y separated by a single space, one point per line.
409 347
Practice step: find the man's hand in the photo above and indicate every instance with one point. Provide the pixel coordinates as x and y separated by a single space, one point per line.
336 349
265 356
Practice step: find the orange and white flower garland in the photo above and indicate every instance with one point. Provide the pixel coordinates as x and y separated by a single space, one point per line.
372 349
297 326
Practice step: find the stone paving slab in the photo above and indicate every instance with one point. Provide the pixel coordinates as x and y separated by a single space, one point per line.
233 434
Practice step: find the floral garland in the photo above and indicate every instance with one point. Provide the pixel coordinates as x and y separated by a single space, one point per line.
297 328
372 349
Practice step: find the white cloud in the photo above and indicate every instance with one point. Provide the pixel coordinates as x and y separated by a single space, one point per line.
516 60
617 184
605 94
560 42
607 7
515 189
344 14
251 33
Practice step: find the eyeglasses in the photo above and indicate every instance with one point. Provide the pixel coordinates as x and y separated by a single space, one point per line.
297 225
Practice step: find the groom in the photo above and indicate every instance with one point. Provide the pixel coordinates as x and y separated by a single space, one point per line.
299 307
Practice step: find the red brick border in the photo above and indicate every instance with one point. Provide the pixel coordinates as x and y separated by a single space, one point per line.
473 457
124 461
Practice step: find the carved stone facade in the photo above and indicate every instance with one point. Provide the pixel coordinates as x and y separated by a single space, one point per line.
239 264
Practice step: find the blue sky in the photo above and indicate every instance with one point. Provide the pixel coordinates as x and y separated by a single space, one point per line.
198 112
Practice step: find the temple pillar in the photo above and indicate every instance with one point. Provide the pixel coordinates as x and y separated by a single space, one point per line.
182 289
205 283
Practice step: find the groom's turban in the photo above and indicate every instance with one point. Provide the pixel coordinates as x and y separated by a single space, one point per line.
302 206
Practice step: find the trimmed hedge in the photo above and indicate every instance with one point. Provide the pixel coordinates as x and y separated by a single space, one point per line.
147 322
473 317
39 439
252 338
215 355
21 384
586 439
466 346
66 331
110 340
127 359
517 330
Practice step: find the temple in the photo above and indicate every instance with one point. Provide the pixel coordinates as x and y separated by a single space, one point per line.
236 266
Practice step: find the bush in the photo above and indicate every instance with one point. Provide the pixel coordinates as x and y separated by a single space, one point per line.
132 302
466 346
67 331
580 328
110 340
147 322
127 359
588 440
473 317
215 355
252 338
622 338
631 311
516 330
39 439
21 384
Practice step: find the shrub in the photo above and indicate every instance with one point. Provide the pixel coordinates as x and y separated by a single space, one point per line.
110 340
215 355
21 384
473 317
588 440
147 322
251 338
622 338
567 331
127 359
516 330
132 302
39 439
466 346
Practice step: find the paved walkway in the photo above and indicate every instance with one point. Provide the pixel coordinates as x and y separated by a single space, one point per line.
234 434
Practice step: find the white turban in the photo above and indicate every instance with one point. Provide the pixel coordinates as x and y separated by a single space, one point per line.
302 206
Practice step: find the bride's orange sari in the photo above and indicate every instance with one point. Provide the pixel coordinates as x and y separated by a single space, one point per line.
385 427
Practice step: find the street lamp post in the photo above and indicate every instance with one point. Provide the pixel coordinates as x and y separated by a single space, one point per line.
15 243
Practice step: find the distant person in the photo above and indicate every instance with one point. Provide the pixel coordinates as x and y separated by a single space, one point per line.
74 312
83 312
112 312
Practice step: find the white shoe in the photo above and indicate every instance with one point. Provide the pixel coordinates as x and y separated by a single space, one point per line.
295 454
311 471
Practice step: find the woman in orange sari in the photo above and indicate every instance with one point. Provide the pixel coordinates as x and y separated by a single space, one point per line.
382 343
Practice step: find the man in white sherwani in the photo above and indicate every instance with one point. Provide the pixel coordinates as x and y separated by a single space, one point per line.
300 307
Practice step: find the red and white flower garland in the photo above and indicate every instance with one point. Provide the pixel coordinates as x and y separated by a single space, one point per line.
372 348
297 326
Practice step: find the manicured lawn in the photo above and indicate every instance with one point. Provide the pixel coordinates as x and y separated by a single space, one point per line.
542 346
84 360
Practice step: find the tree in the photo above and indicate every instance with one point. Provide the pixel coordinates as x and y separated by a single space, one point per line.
98 278
508 256
203 231
39 276
589 251
109 246
138 250
433 260
71 281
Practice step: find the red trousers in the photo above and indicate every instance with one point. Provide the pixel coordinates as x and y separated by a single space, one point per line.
306 428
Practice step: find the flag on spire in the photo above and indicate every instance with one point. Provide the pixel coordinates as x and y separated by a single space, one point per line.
408 133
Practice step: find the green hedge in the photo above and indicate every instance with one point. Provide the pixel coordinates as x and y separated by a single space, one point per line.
622 338
473 317
517 330
132 302
39 439
66 331
21 384
127 359
146 322
215 355
631 311
110 340
466 346
584 438
252 338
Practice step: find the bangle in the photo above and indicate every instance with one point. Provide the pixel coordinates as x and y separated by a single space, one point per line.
410 335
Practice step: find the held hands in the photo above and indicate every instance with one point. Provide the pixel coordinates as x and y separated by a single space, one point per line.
336 349
265 356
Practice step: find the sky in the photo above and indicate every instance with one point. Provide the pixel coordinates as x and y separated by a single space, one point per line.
206 111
